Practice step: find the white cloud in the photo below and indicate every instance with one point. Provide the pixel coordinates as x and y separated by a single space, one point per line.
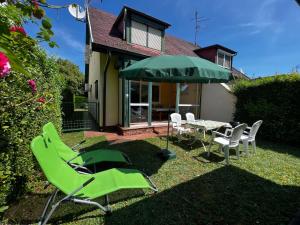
262 18
69 40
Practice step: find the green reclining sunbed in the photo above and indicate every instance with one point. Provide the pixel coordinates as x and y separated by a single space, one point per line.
87 158
82 188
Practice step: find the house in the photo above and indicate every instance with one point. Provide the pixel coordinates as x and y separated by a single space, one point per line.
115 42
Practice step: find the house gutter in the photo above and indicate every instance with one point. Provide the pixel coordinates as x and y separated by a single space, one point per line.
89 24
104 87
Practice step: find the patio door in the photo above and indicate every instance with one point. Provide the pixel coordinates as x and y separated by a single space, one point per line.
138 102
190 96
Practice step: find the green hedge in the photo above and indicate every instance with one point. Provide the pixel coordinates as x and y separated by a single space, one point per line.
275 100
21 119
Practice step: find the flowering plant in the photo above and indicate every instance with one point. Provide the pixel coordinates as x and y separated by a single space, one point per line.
4 65
13 15
32 85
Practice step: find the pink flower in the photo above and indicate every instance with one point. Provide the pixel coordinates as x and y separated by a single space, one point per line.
32 85
4 65
17 29
41 100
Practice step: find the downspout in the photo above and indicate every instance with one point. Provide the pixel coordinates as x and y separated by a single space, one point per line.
104 87
89 24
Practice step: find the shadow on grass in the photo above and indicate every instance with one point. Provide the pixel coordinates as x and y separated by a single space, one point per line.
188 144
224 196
143 154
213 158
227 195
23 212
280 148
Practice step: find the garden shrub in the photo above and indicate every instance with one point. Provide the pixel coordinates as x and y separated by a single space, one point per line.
29 98
22 115
276 101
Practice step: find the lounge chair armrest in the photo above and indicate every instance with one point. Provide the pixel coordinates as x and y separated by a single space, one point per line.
220 134
78 189
82 166
152 185
87 160
77 145
70 160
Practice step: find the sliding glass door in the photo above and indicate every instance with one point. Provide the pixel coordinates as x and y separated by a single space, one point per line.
190 95
139 101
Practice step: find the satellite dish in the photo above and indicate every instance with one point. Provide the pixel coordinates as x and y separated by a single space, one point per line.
77 11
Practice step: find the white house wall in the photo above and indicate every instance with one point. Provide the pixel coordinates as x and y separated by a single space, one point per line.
95 74
112 94
217 102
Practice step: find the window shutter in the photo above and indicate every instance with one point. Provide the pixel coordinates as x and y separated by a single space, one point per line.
154 38
138 33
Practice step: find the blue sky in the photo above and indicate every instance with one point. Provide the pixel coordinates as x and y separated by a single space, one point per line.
265 33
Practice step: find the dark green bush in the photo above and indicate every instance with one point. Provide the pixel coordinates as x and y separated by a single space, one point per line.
275 100
22 116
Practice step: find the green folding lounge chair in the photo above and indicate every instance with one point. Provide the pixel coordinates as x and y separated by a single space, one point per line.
82 188
87 158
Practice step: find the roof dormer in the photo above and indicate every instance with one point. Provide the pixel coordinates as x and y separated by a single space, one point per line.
217 54
141 29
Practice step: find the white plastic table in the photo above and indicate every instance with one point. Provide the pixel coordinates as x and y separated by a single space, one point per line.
204 126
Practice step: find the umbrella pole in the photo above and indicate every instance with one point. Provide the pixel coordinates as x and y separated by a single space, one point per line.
167 154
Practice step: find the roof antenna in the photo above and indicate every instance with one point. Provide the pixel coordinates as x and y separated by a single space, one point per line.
198 20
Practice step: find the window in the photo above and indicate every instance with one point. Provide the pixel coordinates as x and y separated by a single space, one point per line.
96 89
139 92
224 59
145 35
138 33
154 38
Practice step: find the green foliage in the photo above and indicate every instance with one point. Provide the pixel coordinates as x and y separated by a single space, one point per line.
73 77
275 100
21 118
15 14
22 111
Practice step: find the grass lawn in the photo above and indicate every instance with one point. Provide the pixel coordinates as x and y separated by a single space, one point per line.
260 189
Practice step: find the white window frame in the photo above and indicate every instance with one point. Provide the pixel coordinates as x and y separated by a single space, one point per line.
225 54
140 91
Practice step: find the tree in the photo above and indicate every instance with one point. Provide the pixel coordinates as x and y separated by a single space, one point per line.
73 77
298 1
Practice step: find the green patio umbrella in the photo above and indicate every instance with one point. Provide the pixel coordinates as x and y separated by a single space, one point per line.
176 69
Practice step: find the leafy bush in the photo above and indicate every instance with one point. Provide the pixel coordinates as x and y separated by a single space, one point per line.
275 100
29 97
74 79
22 115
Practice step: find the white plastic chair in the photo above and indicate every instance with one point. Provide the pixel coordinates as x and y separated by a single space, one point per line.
177 126
249 136
190 117
227 142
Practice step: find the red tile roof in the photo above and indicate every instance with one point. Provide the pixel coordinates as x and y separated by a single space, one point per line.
104 34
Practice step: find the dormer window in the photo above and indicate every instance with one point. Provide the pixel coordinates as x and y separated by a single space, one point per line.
146 36
224 59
